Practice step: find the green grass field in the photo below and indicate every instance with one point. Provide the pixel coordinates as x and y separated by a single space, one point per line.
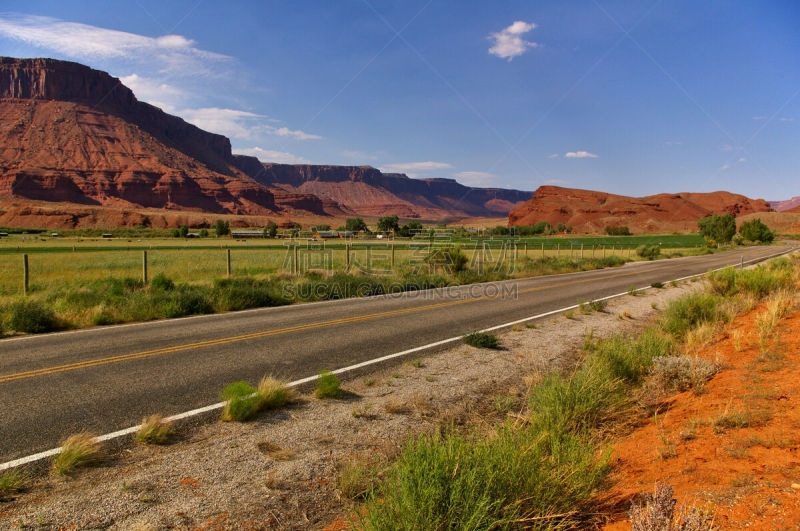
59 263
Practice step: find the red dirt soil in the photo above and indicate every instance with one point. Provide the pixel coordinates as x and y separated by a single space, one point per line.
591 212
748 477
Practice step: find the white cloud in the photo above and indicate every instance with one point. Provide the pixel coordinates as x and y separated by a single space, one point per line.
759 118
411 168
727 147
673 143
509 43
552 156
238 124
786 119
580 155
476 178
725 167
556 181
742 159
170 53
297 135
162 95
266 155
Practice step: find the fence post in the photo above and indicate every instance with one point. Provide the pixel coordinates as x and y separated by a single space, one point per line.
369 257
571 250
526 249
604 249
581 251
144 267
25 274
542 249
392 255
347 256
558 249
296 263
228 260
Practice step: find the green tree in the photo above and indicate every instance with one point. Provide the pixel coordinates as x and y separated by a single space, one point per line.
271 230
756 231
561 227
176 233
322 227
388 224
222 228
203 233
355 225
718 227
183 231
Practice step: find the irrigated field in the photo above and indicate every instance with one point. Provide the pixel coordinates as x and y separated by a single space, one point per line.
56 263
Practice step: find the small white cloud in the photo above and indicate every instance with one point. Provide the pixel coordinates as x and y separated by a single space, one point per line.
759 118
727 147
266 155
412 168
476 178
162 95
786 119
742 159
238 124
509 43
580 155
673 143
556 182
170 53
552 156
297 135
725 167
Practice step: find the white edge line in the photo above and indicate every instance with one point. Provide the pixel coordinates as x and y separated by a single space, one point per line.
219 405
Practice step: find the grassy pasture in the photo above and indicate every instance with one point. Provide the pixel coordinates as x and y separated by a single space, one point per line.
55 265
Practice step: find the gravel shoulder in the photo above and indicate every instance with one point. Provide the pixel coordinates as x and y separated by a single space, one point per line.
281 469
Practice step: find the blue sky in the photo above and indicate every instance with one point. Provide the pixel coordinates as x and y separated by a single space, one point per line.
622 96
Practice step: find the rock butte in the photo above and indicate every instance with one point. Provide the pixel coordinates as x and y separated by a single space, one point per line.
590 211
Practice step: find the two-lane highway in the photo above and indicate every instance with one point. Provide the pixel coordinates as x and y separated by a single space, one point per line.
105 379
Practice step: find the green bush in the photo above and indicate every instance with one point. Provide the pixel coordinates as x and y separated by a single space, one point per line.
759 281
32 317
650 252
328 386
452 482
482 340
756 231
242 402
718 227
452 259
688 311
160 281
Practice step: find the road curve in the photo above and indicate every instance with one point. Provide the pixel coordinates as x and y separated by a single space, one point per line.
105 379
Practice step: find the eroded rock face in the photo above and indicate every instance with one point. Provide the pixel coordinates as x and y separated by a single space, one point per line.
71 134
591 211
367 191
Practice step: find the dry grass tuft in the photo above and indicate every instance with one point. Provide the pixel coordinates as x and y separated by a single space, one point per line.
275 452
155 429
77 451
274 393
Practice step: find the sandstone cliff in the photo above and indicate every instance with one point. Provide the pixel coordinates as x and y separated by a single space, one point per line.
591 211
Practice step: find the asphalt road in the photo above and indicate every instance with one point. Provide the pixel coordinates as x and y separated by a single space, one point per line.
105 379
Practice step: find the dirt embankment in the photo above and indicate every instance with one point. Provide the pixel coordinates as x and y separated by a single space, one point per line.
734 449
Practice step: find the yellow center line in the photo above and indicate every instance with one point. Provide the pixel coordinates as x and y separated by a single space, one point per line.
279 331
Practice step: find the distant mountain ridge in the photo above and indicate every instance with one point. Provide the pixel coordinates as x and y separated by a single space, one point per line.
789 204
368 191
592 211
